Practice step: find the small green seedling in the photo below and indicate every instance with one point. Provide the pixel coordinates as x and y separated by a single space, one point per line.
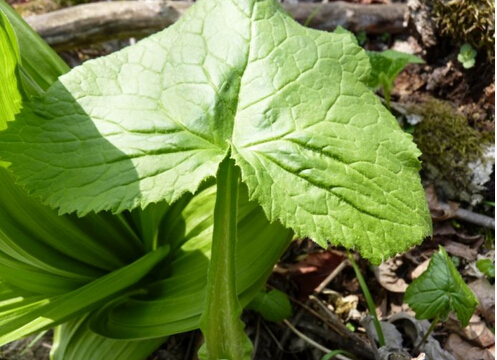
487 267
208 142
273 305
385 67
439 291
467 56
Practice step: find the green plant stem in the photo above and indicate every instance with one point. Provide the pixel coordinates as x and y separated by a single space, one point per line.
387 86
220 322
369 300
430 330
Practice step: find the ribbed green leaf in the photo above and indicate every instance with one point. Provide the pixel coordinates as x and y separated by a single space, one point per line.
74 341
37 235
90 296
175 304
15 302
148 222
33 279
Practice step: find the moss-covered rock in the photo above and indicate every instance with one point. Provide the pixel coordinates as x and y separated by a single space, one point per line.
467 21
456 157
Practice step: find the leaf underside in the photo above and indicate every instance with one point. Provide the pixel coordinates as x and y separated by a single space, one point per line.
316 148
440 290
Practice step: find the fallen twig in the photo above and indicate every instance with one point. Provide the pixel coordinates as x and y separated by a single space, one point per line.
312 342
471 217
101 21
317 291
331 276
348 340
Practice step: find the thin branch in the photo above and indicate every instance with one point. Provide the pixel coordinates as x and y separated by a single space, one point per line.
471 217
312 342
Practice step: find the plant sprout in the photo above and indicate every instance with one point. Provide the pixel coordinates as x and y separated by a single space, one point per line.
467 56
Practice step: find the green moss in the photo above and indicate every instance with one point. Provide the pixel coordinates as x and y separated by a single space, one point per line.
448 145
471 21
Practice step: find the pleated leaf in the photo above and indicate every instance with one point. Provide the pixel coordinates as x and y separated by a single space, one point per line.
316 147
66 246
59 309
174 304
74 341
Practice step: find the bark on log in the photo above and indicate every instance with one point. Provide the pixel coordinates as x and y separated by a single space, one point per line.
97 22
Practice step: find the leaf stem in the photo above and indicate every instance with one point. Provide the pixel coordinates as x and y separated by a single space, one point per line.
369 300
220 322
430 330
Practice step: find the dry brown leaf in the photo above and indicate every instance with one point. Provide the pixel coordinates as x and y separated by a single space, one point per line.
464 350
476 331
421 356
408 81
468 239
402 308
439 212
485 292
387 276
421 268
489 92
461 250
444 228
312 270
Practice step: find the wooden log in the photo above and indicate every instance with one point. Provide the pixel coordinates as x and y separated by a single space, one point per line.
96 22
373 18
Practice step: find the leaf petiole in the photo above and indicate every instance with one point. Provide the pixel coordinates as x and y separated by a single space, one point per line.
220 322
430 330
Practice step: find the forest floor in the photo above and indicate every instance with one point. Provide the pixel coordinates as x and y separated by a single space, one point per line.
329 308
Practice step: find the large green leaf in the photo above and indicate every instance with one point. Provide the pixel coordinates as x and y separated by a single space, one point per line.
65 246
74 341
315 146
59 309
16 302
440 290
